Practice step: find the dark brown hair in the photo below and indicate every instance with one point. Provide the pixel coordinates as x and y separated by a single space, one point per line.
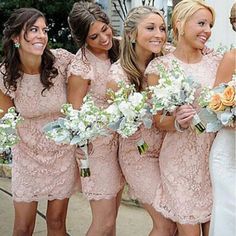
80 19
20 19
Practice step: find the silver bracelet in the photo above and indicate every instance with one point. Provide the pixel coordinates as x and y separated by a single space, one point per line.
178 128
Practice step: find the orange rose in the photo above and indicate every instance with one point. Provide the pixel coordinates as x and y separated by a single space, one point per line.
228 97
216 103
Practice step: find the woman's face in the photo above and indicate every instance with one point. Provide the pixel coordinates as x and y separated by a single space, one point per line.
151 34
36 39
99 37
197 29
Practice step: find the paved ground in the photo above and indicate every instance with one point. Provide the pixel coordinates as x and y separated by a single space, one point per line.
132 221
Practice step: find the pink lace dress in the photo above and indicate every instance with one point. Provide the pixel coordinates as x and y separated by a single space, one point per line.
141 172
187 194
106 178
41 168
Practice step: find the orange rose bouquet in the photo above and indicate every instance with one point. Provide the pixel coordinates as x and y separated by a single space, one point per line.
218 106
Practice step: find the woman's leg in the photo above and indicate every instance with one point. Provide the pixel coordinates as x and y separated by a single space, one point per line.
56 217
187 230
104 213
161 225
205 228
25 215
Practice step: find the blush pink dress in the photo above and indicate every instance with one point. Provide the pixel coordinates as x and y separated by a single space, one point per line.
41 168
106 178
187 193
141 172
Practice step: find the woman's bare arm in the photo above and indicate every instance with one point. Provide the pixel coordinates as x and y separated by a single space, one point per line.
226 68
77 88
5 103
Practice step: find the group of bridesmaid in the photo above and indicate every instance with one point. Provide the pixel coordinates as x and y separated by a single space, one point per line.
171 180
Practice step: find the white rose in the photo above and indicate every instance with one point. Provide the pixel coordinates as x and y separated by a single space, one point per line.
126 110
135 98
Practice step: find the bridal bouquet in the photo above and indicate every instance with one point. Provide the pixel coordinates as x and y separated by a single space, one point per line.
174 89
128 110
79 127
218 106
8 133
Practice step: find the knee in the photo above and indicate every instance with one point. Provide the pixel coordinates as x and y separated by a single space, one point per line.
23 230
55 223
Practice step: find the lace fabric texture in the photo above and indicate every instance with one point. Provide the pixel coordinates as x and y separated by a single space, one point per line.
186 195
41 168
141 172
106 178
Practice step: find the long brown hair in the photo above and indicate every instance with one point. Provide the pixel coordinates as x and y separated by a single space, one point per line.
20 19
80 19
128 57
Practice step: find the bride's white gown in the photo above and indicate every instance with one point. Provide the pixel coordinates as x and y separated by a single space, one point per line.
223 176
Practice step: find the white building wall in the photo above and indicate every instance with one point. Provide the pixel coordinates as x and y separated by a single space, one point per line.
222 31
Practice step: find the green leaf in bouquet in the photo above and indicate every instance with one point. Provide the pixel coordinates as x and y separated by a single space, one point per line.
207 116
115 125
63 136
226 117
214 126
233 110
51 126
220 88
61 122
147 121
75 140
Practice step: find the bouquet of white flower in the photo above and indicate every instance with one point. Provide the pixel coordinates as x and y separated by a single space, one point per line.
128 110
174 89
222 49
218 106
79 127
8 133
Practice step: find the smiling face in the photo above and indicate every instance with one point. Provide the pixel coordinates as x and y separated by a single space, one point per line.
34 40
99 37
151 34
197 29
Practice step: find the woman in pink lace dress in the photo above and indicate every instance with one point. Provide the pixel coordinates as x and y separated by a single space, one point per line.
89 73
33 79
187 193
144 36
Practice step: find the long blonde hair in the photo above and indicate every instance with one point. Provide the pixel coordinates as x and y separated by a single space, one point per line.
128 56
184 10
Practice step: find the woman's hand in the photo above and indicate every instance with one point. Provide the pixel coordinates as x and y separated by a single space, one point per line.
183 115
207 50
80 155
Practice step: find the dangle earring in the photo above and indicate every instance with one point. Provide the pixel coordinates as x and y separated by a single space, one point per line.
16 45
132 41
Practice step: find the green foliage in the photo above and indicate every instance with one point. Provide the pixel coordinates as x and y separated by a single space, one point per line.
56 13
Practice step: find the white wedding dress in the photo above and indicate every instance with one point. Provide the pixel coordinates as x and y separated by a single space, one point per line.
223 176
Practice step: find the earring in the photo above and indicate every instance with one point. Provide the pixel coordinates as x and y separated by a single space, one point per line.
16 45
182 33
132 41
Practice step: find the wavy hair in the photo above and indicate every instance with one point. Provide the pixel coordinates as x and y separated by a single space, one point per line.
128 56
23 19
82 15
184 10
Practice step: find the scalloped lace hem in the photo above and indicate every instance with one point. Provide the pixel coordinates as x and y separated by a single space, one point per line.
39 198
97 197
181 220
